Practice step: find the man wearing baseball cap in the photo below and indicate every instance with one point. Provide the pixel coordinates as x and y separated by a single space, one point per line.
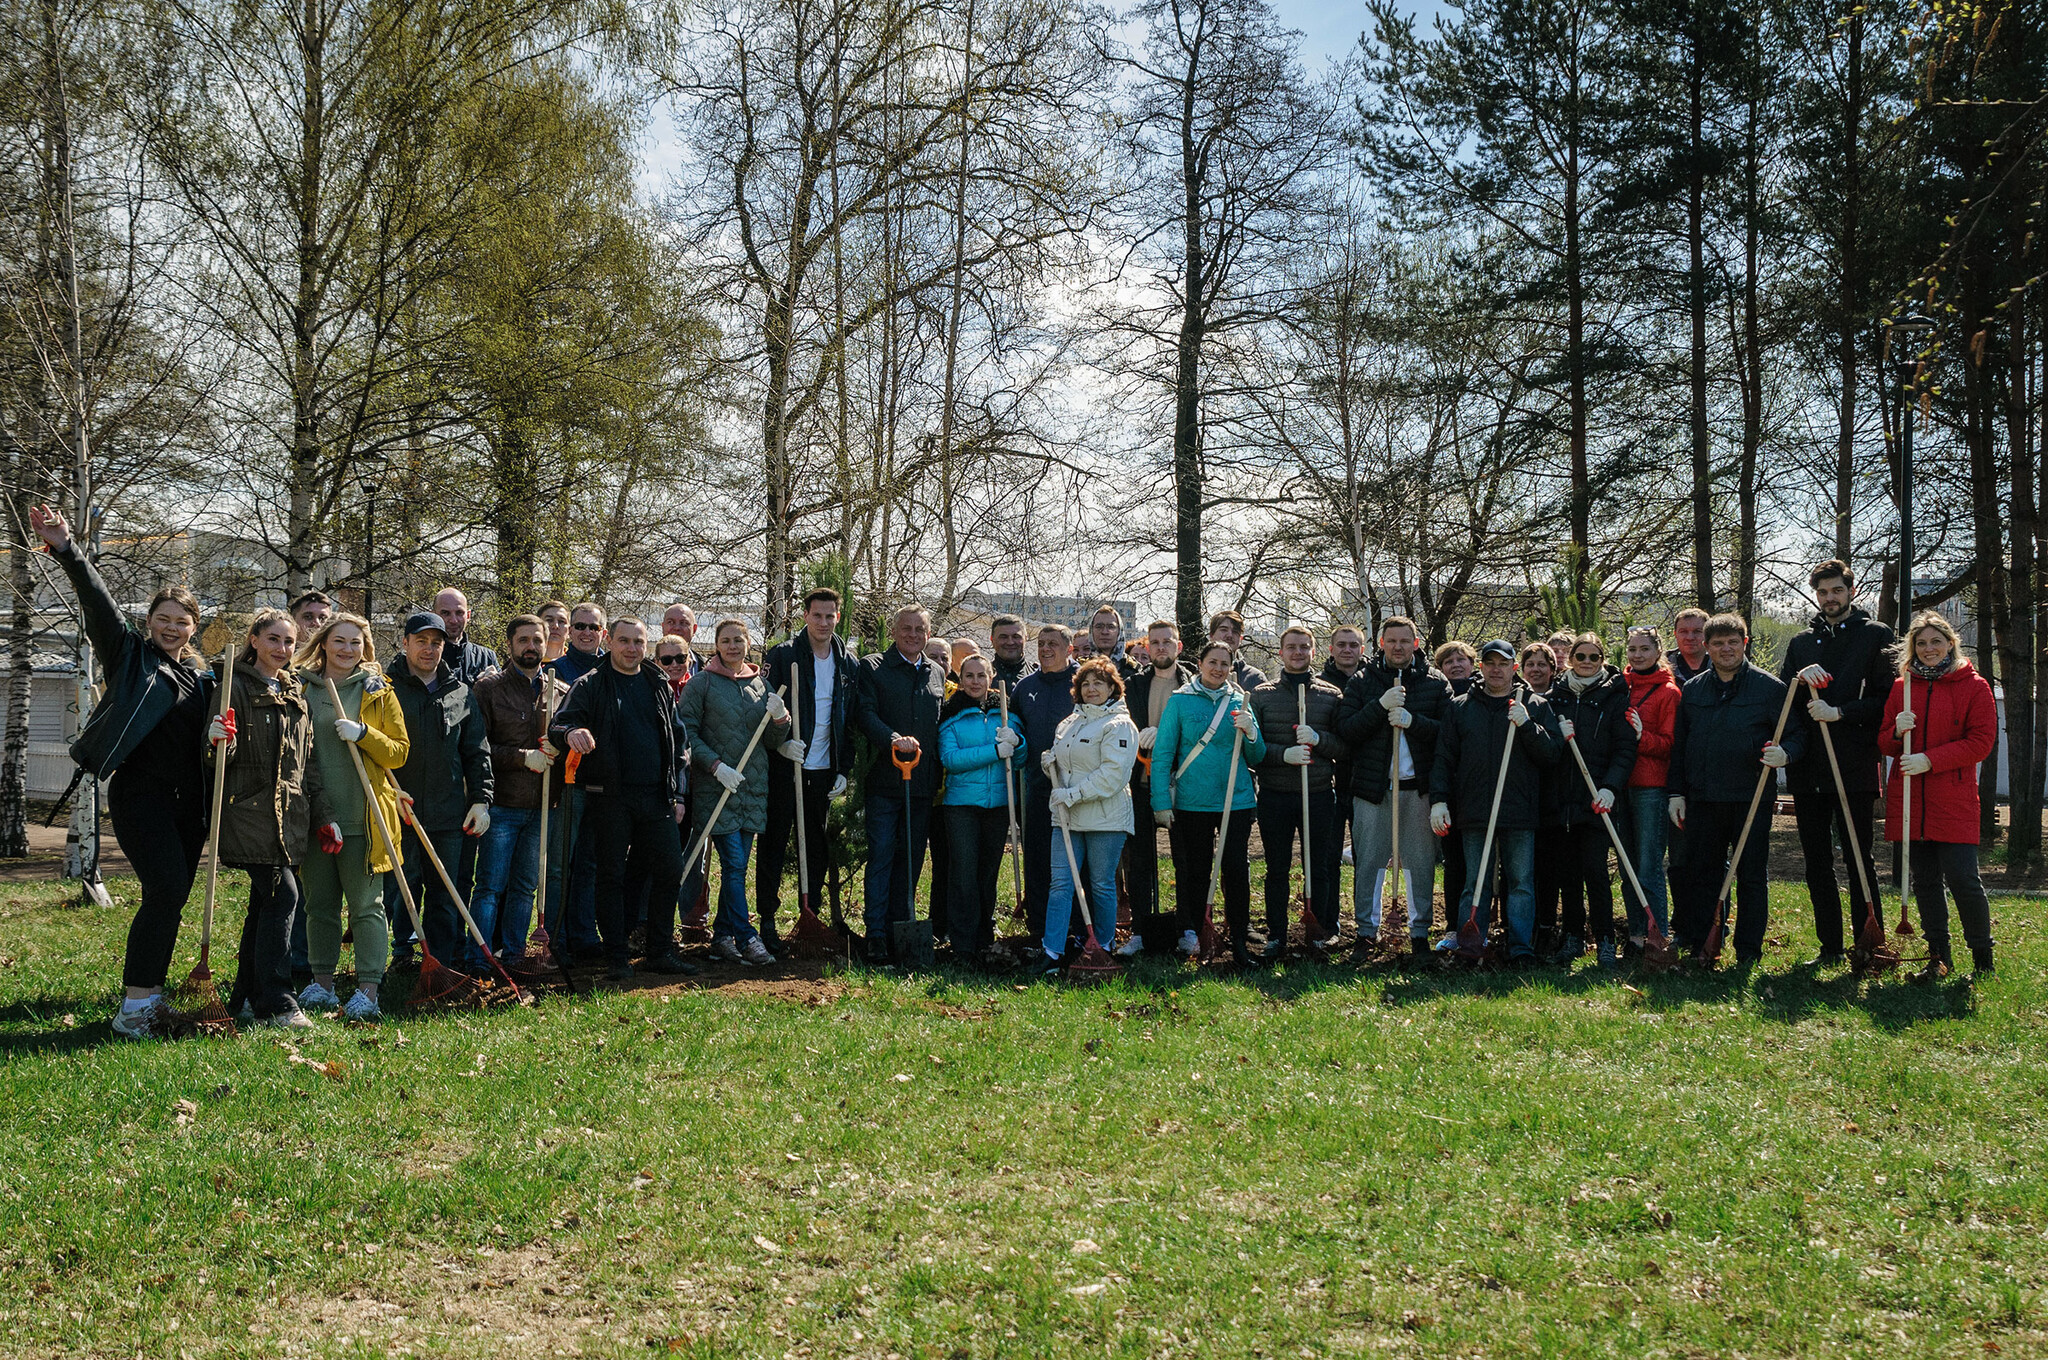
1496 720
445 783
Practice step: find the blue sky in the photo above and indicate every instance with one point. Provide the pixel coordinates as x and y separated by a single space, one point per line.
1330 28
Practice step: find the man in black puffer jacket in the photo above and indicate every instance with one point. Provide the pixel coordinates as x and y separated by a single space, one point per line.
1397 691
1843 656
1470 746
1722 733
1591 702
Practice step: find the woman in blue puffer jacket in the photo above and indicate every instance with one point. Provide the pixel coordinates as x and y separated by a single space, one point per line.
1191 769
973 748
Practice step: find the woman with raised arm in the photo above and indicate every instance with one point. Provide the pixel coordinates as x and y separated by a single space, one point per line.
146 738
348 880
273 801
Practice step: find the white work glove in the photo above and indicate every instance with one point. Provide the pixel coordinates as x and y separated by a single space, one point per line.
1304 735
838 788
1635 720
1517 714
1917 763
1145 739
1297 755
727 776
1400 717
220 731
1568 728
1048 764
1244 722
1814 676
793 749
778 711
1774 755
1065 797
1440 818
1603 800
1393 697
1905 722
537 761
1162 817
1007 742
1820 710
349 730
479 819
1675 809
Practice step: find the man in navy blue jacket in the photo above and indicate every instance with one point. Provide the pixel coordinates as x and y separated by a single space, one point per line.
1041 701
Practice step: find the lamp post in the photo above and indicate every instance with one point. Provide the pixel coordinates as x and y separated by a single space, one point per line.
1904 336
369 476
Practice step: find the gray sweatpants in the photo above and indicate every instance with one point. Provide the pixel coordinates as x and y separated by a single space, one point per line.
1372 849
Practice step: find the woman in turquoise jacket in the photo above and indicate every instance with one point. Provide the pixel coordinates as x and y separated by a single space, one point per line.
974 749
1208 742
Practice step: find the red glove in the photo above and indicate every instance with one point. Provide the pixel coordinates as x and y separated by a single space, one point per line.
224 726
330 838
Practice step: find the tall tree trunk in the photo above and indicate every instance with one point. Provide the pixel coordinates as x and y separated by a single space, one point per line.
1988 531
20 654
1751 349
1849 301
950 396
1575 292
300 524
2021 659
1187 381
1703 589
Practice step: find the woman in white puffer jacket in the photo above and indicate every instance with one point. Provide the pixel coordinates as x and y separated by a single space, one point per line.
1093 753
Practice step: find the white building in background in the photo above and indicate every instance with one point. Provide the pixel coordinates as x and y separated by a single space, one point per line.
977 608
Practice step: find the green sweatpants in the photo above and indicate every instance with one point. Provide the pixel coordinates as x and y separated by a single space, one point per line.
328 882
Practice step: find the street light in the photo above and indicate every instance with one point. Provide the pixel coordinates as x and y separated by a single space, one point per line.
1904 336
369 476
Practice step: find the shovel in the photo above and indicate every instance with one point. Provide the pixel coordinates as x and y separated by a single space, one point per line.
197 1000
1658 954
1095 963
1873 953
724 797
910 939
1471 940
1208 932
1905 925
1312 929
547 944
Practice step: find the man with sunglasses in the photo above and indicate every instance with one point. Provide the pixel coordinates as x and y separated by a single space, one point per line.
1590 700
586 643
572 855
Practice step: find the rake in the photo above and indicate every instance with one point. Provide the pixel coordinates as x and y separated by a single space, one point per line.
1471 940
1905 925
1312 928
1017 913
1095 963
519 994
1207 937
197 1000
1710 951
1873 953
548 953
1658 953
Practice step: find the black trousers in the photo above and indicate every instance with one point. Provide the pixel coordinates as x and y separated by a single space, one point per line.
162 830
1037 815
261 976
775 847
939 849
975 837
1938 864
1194 845
1279 824
635 839
1553 862
1141 855
1821 823
1710 832
1587 893
1453 848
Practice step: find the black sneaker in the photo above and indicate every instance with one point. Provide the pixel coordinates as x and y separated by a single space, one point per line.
1418 947
672 962
1827 958
1274 951
1569 951
771 939
619 970
1980 959
878 954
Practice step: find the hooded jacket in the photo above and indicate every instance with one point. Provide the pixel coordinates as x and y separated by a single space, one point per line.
1274 704
1856 654
804 713
1956 728
1469 745
967 750
1654 696
1605 738
1095 749
1370 736
366 697
1200 789
273 796
719 714
448 767
1720 733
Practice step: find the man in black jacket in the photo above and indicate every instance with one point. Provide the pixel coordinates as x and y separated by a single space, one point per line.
1041 701
469 661
1146 691
1497 719
1591 702
1006 640
446 782
1297 714
621 718
897 705
1722 733
1394 698
819 743
1842 657
1689 657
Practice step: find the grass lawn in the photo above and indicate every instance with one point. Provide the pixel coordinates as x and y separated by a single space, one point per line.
1307 1162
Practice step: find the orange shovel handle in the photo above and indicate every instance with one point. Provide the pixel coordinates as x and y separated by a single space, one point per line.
905 763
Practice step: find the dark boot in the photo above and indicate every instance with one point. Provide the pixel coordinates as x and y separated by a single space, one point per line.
1939 965
1980 959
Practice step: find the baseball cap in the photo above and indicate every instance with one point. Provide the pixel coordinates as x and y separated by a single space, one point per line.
422 620
1499 647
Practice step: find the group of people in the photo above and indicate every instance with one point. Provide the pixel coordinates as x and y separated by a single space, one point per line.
623 761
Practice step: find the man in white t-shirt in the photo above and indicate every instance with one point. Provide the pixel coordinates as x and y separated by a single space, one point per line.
812 672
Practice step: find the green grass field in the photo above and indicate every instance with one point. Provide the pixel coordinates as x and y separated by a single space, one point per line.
1308 1162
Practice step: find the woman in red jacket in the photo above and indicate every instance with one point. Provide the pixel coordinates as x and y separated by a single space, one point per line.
1652 710
1953 724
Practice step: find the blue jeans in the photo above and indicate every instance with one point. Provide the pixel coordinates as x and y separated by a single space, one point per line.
1515 852
572 860
1643 831
891 879
1097 853
507 867
445 933
731 922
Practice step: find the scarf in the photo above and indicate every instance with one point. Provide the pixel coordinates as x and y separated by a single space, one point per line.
1922 671
716 665
1578 685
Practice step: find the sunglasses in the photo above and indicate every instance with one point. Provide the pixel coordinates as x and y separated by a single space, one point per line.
669 660
1586 656
586 628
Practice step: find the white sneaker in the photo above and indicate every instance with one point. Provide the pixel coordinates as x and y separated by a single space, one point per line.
1190 944
143 1023
727 950
318 998
246 1014
362 1009
291 1019
1347 854
756 954
1131 948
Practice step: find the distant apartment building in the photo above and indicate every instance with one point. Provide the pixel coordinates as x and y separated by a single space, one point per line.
977 608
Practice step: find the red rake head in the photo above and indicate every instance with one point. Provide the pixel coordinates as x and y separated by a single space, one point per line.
812 938
1094 965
